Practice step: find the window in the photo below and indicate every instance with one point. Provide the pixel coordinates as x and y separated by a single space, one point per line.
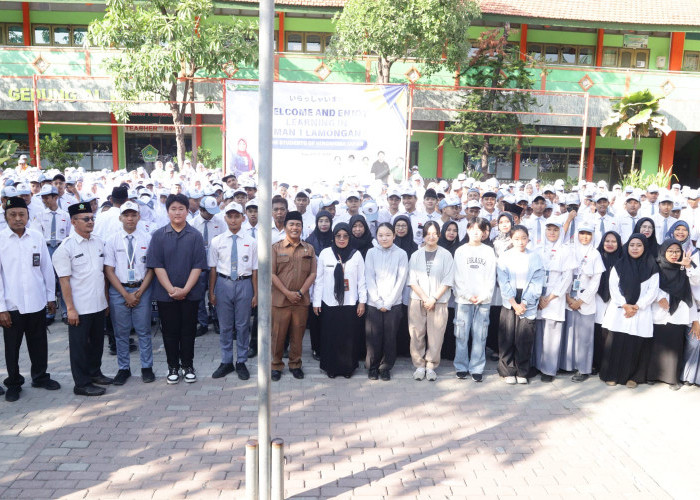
61 36
79 36
15 35
42 35
561 54
568 55
586 56
691 61
534 50
551 54
57 35
626 58
609 57
314 43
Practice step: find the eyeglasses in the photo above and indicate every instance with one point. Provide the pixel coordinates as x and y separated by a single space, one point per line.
86 219
340 236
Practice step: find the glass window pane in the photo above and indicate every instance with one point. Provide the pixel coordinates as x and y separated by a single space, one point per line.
313 43
79 35
534 50
15 35
2 35
585 56
294 42
326 41
690 61
551 54
61 36
42 35
626 59
609 57
568 55
641 60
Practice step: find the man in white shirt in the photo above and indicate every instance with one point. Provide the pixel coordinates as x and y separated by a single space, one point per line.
651 206
26 287
279 212
130 292
691 214
79 263
107 223
64 199
663 219
233 288
301 200
250 225
575 215
601 220
430 201
409 199
628 217
489 210
56 226
352 202
535 224
393 206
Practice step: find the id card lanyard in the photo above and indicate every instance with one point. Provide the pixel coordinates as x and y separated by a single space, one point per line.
576 286
131 272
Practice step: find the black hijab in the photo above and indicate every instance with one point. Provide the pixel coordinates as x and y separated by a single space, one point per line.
342 255
653 243
363 243
406 243
633 272
450 246
609 260
673 278
321 239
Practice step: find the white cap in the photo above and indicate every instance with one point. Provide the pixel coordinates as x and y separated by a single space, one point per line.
23 189
653 188
22 158
452 201
129 205
249 183
602 183
239 190
601 196
252 203
352 194
8 191
209 190
370 210
234 206
587 226
692 194
632 196
195 194
228 193
408 191
676 186
393 192
473 204
209 204
327 202
665 196
573 199
48 189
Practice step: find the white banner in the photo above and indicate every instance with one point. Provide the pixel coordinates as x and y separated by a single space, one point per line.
320 131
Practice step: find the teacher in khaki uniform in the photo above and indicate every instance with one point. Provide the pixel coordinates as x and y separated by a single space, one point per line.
79 264
293 273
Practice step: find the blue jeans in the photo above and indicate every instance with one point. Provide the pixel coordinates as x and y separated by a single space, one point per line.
124 319
472 318
233 304
202 313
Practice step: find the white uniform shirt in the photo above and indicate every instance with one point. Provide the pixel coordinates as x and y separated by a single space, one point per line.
531 225
324 285
609 224
277 234
215 227
27 281
116 254
661 223
83 261
625 224
219 255
107 223
63 225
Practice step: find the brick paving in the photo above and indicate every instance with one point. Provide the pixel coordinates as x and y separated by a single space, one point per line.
348 438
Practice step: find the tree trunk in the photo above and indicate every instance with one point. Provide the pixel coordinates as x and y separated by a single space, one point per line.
193 113
634 154
178 122
485 156
383 69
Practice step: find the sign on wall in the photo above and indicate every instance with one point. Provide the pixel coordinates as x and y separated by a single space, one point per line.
320 131
635 41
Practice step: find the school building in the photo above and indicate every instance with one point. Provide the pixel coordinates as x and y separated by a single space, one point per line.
603 48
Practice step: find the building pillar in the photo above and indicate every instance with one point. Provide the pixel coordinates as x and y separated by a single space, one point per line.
599 48
516 159
441 149
27 33
675 62
115 143
591 153
523 41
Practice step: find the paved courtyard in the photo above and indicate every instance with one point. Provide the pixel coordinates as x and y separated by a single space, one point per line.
348 438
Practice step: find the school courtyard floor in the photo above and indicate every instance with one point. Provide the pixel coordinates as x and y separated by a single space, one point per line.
348 438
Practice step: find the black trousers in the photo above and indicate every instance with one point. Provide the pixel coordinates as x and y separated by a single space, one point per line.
494 326
86 343
380 337
516 338
254 329
32 326
314 323
179 321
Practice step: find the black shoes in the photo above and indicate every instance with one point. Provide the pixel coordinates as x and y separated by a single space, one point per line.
477 377
201 330
189 375
102 380
579 377
546 378
12 393
48 384
89 390
147 375
173 375
385 375
297 373
242 371
252 351
223 370
315 355
462 375
112 350
121 377
373 374
276 375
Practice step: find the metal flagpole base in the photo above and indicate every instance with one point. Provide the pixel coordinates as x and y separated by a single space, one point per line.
251 469
277 473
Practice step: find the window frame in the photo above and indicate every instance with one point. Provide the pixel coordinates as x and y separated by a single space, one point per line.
560 47
324 39
52 30
695 53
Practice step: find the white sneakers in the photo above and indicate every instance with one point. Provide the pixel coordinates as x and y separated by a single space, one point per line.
521 380
430 375
510 380
419 374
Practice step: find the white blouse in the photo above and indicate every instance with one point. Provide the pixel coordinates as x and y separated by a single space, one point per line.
325 282
641 324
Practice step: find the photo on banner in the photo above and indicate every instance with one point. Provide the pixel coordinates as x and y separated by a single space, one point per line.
320 131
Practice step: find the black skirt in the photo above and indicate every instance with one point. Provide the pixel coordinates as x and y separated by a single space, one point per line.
449 343
403 338
625 357
340 328
666 353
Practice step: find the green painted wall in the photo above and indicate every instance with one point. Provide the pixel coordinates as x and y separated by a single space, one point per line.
306 24
427 153
62 17
122 146
13 126
211 140
452 161
11 16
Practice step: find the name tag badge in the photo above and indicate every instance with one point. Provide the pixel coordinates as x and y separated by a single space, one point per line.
347 285
36 259
132 275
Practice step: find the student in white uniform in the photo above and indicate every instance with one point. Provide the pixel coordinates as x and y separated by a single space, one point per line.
79 263
610 250
663 219
27 286
130 292
56 226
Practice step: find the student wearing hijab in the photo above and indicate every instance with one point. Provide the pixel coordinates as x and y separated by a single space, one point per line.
501 243
646 226
680 231
521 276
634 285
577 346
551 310
610 250
321 237
340 295
430 276
449 240
360 237
386 269
404 240
673 310
690 373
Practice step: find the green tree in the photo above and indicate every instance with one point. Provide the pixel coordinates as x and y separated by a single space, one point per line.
206 158
165 41
54 149
395 30
7 151
495 65
634 116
